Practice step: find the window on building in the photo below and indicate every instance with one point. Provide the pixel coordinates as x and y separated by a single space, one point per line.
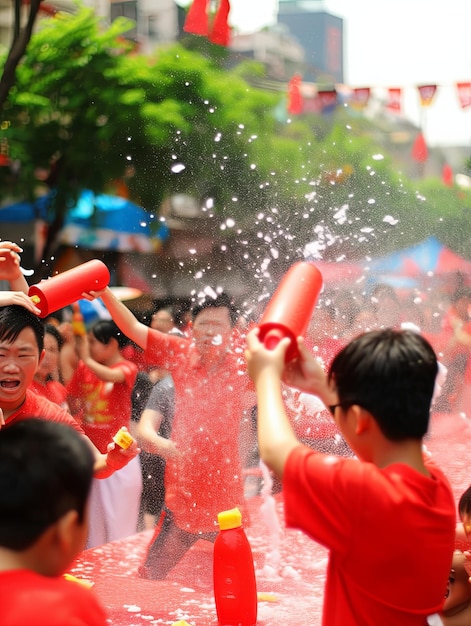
126 8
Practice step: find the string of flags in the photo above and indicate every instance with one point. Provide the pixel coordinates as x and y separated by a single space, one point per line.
325 100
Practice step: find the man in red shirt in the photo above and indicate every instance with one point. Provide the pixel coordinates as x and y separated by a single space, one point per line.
388 516
203 473
46 471
21 352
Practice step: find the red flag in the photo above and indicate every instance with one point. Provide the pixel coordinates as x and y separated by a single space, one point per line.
360 98
419 149
395 97
221 32
328 100
295 99
426 93
447 175
464 94
197 18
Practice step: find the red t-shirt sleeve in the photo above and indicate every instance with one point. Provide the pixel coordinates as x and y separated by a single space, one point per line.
317 498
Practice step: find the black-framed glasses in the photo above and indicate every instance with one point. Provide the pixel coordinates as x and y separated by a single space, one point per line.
332 408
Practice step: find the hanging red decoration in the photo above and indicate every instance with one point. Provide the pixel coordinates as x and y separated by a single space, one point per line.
426 94
419 149
394 103
447 175
295 99
197 18
221 32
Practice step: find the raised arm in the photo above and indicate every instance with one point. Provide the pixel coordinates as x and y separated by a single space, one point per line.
10 269
122 316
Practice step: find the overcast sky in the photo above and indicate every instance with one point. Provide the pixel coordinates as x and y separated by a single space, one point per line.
404 43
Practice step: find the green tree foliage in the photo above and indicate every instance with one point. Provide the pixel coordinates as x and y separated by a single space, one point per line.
86 106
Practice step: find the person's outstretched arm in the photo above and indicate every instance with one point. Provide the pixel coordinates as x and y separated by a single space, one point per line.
122 316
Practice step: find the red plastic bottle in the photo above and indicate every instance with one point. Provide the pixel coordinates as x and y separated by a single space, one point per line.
235 587
290 309
63 289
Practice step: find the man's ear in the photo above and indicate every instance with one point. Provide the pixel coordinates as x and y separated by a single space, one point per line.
41 356
362 419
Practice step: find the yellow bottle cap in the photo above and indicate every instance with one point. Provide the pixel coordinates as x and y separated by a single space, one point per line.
230 519
35 299
123 439
80 581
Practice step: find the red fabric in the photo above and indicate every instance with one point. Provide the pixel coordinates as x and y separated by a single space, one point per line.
419 149
197 18
206 478
105 406
372 520
464 94
394 103
295 99
427 93
38 406
447 175
221 32
53 390
28 598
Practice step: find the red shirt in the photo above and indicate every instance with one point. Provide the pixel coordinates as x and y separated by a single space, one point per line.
390 533
105 406
207 476
29 598
38 406
53 390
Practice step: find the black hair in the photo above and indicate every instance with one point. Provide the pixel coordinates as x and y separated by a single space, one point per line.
14 319
464 503
50 329
221 300
46 470
390 373
105 330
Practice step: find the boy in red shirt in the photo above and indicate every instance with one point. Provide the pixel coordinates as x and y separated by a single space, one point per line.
388 516
46 471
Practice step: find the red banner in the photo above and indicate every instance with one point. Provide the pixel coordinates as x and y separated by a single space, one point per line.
394 103
426 93
360 97
464 94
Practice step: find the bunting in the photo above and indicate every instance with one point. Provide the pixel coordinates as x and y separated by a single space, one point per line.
426 94
419 149
360 97
394 102
464 94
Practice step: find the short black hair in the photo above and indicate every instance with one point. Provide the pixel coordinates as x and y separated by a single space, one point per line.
390 373
221 300
46 470
14 319
105 330
464 503
50 329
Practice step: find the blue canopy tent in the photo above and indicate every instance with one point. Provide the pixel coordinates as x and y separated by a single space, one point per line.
96 222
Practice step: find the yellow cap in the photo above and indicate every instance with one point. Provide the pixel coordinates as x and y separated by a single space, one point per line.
123 439
35 299
84 583
230 519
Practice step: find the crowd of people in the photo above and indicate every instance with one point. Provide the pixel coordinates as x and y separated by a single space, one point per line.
341 428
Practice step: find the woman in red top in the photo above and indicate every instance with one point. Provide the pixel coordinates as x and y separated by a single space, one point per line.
99 395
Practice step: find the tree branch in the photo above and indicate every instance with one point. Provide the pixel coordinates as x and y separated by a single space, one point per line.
18 47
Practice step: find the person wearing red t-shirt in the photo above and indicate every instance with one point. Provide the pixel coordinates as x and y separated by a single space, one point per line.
21 353
203 474
388 516
46 381
46 471
99 395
